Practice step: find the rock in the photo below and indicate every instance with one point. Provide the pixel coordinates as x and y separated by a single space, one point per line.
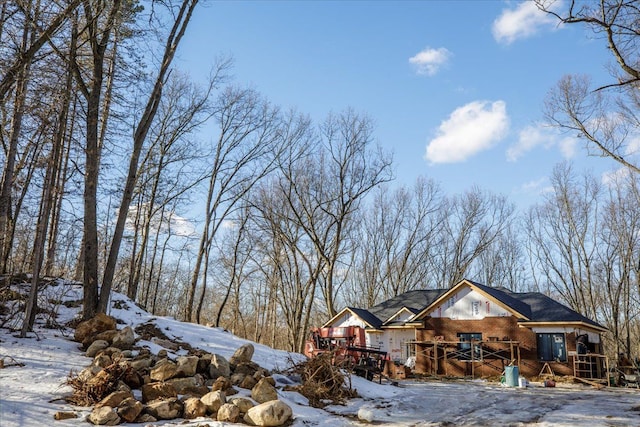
243 354
114 399
242 403
273 413
112 352
236 379
145 418
104 416
60 415
187 366
102 361
132 378
105 336
214 400
141 363
162 354
204 362
248 382
165 409
122 386
264 391
164 371
229 412
194 408
246 368
153 391
124 339
95 347
100 323
221 383
129 409
221 365
189 385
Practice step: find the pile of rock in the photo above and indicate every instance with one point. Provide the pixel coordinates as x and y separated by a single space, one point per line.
152 387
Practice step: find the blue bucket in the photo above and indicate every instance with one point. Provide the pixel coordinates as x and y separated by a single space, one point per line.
511 374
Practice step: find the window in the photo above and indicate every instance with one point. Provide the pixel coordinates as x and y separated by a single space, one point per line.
464 347
552 347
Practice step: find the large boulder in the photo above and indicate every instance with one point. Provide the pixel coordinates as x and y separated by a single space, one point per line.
264 391
100 323
153 391
242 403
273 413
124 339
214 400
114 399
229 412
189 385
243 354
164 371
129 409
194 408
219 367
169 409
95 347
104 416
187 366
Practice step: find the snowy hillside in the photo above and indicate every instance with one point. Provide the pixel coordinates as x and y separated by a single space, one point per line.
35 369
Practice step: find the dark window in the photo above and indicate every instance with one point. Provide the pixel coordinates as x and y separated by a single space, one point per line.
464 347
552 347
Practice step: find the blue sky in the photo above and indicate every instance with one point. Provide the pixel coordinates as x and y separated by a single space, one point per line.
455 88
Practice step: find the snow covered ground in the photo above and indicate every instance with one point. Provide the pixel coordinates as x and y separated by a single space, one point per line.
31 392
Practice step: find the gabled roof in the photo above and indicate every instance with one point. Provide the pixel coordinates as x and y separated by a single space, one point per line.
369 319
529 307
548 310
506 298
522 311
415 301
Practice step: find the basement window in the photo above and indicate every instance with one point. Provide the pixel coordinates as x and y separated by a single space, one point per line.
552 347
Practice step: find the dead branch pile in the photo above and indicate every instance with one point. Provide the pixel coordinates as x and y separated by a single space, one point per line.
322 381
89 391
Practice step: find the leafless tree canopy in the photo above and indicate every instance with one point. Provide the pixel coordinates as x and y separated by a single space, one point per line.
207 202
606 115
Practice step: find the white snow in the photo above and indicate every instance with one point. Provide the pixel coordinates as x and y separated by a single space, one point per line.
31 394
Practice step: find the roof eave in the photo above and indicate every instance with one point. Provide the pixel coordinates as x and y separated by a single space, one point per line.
581 324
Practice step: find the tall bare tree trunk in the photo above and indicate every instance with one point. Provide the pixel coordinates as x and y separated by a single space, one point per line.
179 27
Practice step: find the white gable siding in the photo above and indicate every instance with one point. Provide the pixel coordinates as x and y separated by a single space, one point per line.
467 304
347 319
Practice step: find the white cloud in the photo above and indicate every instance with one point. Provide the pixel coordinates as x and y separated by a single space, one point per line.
537 187
429 61
532 137
523 21
616 177
470 129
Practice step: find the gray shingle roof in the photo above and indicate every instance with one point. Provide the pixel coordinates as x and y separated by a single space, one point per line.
545 309
415 300
368 317
536 307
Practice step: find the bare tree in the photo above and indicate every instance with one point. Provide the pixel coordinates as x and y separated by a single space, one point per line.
471 223
563 239
396 236
242 155
606 117
176 33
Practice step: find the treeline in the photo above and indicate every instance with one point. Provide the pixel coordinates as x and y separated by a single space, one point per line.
208 203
